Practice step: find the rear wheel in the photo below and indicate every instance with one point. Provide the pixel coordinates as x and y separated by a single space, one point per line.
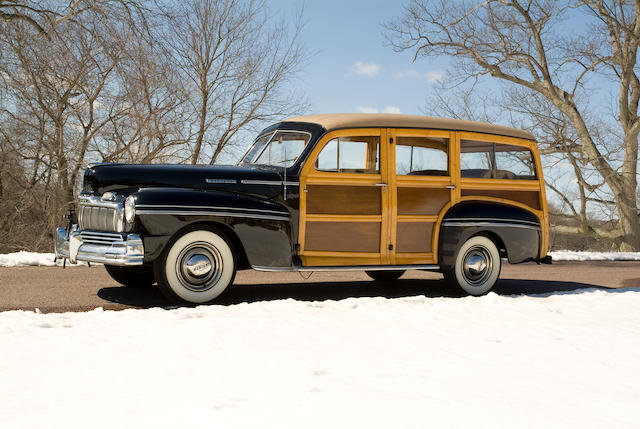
132 276
477 266
196 268
385 276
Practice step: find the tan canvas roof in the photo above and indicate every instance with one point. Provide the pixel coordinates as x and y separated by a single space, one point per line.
335 121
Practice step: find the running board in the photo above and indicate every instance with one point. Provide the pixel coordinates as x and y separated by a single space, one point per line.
350 268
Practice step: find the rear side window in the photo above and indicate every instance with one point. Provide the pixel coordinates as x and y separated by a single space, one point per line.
485 160
422 156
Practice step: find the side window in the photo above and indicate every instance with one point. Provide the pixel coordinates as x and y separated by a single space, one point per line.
350 155
496 161
476 159
422 156
514 162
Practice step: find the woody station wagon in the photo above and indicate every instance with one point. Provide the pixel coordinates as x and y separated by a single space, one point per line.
373 192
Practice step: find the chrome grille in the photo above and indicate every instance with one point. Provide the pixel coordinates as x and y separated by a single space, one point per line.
99 215
103 238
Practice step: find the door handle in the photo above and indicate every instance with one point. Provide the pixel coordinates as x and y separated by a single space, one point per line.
382 185
450 187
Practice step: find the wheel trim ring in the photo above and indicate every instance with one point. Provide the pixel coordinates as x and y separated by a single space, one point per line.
473 274
206 282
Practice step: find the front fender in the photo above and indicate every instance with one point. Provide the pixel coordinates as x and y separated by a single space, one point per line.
262 228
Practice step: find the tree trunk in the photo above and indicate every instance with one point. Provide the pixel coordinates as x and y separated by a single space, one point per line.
629 223
204 93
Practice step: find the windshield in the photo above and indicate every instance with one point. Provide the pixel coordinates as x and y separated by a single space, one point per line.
281 148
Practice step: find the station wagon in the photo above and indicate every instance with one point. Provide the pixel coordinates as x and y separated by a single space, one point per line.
380 193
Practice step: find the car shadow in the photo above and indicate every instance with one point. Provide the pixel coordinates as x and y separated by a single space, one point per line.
322 291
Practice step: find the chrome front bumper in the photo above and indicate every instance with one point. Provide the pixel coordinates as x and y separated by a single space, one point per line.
102 247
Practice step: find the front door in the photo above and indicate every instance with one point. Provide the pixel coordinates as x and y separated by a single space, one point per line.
344 200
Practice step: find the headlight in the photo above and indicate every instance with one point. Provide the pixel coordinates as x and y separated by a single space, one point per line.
130 208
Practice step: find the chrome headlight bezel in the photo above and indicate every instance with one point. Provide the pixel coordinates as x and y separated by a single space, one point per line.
130 209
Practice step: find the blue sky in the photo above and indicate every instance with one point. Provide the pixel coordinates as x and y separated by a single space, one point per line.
351 69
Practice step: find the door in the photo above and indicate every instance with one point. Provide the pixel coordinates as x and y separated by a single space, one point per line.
421 187
344 200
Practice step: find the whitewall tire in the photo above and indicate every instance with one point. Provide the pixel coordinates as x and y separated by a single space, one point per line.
477 266
197 267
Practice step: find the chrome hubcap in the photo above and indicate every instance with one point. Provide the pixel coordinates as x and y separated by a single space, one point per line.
477 265
199 266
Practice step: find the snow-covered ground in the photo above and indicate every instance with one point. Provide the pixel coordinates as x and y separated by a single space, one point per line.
572 255
23 259
563 360
27 259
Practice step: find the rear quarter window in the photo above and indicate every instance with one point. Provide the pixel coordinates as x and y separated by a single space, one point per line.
486 160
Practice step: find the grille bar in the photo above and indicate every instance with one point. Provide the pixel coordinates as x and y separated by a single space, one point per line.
100 217
104 238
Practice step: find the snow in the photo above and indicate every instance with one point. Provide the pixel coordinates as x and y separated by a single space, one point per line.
26 259
23 259
569 359
572 255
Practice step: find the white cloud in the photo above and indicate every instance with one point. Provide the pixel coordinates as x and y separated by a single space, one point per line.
391 109
366 69
435 76
388 109
431 77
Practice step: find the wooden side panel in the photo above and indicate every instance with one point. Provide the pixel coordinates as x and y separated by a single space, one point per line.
343 236
414 237
355 200
422 201
529 198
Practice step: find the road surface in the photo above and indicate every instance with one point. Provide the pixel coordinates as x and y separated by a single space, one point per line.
80 288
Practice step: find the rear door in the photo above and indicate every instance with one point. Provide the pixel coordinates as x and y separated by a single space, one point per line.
421 187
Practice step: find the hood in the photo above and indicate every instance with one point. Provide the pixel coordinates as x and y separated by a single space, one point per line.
102 178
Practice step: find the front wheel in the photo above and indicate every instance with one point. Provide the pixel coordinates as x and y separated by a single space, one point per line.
477 266
196 268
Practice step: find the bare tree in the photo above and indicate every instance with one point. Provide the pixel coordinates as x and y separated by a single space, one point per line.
237 63
522 43
44 16
65 99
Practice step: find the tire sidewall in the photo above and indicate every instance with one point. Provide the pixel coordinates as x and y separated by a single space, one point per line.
491 280
169 263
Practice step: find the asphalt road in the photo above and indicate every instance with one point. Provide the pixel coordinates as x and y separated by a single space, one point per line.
82 288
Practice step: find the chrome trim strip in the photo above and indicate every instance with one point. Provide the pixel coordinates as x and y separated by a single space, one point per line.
98 202
211 213
169 206
490 219
269 182
224 181
429 267
497 224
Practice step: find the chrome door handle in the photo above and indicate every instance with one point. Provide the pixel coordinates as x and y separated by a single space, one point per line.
450 187
381 184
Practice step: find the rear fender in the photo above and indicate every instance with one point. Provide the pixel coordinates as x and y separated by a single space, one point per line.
515 230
